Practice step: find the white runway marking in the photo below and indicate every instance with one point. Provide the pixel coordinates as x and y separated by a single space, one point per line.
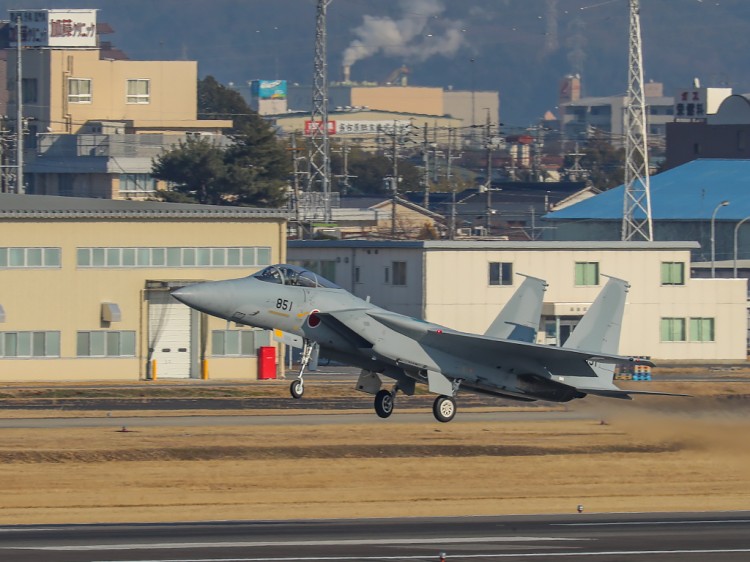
648 523
258 544
545 555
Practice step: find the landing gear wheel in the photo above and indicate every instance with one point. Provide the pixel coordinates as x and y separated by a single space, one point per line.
444 408
297 389
384 404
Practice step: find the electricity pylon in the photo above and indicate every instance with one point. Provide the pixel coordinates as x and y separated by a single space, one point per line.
636 214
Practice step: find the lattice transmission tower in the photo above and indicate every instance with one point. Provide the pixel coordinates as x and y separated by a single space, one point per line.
320 150
636 215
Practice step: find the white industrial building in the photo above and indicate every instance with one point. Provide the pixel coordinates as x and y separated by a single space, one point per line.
669 315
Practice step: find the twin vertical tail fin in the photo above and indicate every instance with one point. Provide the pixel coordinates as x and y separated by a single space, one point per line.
599 329
599 332
519 318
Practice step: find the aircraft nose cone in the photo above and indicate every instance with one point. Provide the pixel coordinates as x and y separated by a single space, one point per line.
202 296
188 295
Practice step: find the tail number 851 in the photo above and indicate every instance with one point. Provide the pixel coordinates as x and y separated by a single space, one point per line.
284 304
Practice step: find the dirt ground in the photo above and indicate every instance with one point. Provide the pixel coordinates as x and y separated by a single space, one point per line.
654 455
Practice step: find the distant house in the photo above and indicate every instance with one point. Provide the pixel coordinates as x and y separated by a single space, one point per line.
683 202
371 217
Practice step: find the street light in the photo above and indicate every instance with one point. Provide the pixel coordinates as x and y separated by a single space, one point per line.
736 234
713 236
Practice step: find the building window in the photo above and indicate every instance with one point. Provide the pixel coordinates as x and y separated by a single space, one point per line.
29 257
324 268
172 257
105 343
672 329
672 273
357 275
702 329
139 91
29 344
79 90
29 89
501 273
137 184
238 343
587 274
399 272
387 275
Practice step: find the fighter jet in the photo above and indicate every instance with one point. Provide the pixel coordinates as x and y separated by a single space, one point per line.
311 312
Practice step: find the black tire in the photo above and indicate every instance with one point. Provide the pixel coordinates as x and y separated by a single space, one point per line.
444 409
384 404
296 389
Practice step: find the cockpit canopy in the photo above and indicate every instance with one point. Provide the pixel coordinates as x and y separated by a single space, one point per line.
294 275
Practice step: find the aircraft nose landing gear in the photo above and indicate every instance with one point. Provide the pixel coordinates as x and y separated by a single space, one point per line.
297 388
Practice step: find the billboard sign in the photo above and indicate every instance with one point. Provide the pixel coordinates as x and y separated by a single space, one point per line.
690 104
54 28
370 127
313 126
268 89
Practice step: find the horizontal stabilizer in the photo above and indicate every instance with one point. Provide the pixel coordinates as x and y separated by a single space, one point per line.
625 394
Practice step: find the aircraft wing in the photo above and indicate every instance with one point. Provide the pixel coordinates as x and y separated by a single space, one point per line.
492 351
340 321
539 359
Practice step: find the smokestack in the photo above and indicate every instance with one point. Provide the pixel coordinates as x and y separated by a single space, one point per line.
347 73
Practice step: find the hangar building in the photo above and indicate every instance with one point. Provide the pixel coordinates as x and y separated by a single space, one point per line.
86 287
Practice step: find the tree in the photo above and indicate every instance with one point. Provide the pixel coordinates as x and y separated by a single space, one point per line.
195 168
370 171
251 171
605 162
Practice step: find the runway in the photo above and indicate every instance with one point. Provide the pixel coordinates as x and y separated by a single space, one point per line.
301 419
719 537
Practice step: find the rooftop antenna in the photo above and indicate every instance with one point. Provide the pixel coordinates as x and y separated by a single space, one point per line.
637 200
320 150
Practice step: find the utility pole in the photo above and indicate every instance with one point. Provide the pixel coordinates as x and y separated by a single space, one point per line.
488 183
426 171
345 175
20 188
449 177
637 197
394 181
320 152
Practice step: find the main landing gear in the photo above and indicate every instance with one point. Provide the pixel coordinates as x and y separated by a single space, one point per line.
444 407
297 388
384 403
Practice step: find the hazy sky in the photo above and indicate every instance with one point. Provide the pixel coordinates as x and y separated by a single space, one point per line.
520 47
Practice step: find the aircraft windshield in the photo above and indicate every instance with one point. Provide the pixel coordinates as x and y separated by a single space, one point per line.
293 275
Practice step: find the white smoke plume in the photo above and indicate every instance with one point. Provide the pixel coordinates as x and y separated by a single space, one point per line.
418 35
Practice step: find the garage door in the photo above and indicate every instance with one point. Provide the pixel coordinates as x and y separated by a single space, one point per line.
169 333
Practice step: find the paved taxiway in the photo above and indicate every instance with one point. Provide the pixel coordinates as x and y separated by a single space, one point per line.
719 537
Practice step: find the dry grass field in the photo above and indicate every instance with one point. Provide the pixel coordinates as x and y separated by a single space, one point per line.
653 455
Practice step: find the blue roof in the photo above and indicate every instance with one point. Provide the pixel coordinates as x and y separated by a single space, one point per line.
689 192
